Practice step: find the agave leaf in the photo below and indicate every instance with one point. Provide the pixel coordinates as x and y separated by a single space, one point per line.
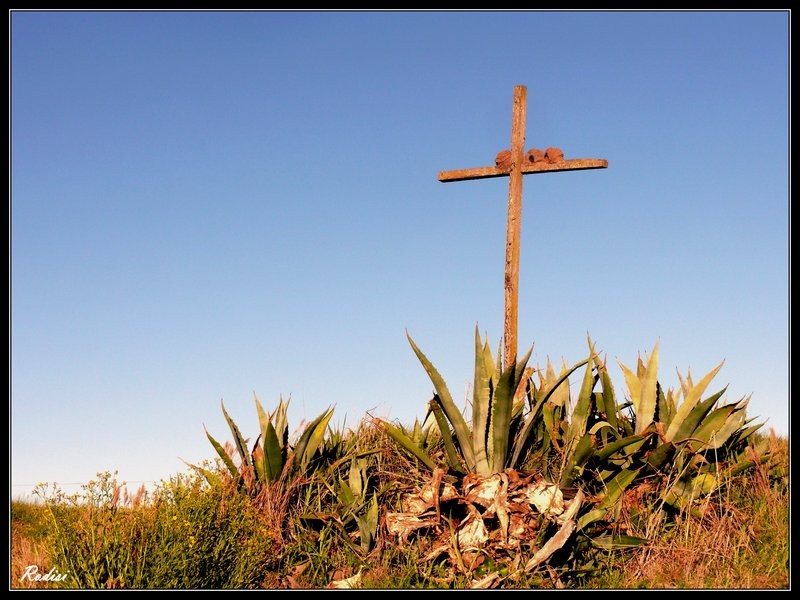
451 410
548 416
694 418
684 491
617 542
590 517
661 455
281 422
746 432
583 452
502 404
223 455
481 402
550 389
406 443
704 484
667 407
263 418
498 363
273 454
601 426
520 366
609 399
368 525
634 386
647 400
259 464
720 425
449 443
691 397
310 440
522 441
641 371
686 386
616 486
346 495
488 360
560 396
745 465
238 439
580 413
357 477
610 449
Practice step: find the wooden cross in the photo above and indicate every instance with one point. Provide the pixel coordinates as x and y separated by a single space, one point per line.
515 164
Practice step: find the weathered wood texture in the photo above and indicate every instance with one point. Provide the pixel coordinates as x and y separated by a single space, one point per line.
514 164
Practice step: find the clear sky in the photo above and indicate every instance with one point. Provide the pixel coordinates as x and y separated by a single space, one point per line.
205 205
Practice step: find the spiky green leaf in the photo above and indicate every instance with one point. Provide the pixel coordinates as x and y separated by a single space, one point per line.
552 387
661 455
691 396
694 418
238 439
609 398
226 460
406 443
617 486
310 440
647 407
617 542
616 446
273 454
454 415
591 517
584 449
450 447
580 413
481 402
502 404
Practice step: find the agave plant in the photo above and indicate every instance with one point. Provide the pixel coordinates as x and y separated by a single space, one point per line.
686 442
352 494
271 456
489 500
501 432
689 443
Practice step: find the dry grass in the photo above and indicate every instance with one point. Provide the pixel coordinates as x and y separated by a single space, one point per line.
25 552
741 542
28 544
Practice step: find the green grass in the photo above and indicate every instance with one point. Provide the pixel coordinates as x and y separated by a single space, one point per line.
187 535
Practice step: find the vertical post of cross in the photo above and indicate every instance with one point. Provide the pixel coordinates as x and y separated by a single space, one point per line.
514 164
513 227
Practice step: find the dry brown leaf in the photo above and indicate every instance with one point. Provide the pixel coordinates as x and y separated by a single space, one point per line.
486 582
435 553
292 583
430 495
291 579
472 532
403 524
483 490
572 508
414 504
560 537
546 497
347 584
516 527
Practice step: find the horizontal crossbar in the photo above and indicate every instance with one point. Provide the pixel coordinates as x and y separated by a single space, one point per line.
574 164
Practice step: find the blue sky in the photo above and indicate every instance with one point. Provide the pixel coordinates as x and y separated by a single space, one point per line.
205 205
